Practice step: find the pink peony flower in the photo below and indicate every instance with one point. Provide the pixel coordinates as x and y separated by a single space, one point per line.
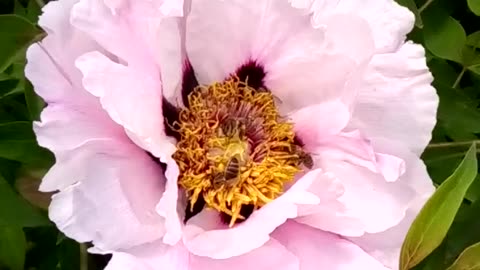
234 134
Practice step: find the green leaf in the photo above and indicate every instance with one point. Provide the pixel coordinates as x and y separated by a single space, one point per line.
474 6
457 114
15 211
17 142
16 34
13 246
474 39
444 36
432 223
468 260
410 4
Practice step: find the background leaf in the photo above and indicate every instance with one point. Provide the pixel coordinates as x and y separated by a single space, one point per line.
16 33
437 26
16 212
12 247
432 223
474 6
468 260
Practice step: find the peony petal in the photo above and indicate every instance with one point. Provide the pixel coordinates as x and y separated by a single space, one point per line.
389 22
158 256
330 118
316 249
398 101
353 147
65 127
385 246
204 237
368 204
132 99
151 256
139 32
57 79
113 201
303 65
168 207
271 255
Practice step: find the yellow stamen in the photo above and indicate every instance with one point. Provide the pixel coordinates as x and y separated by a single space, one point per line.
235 148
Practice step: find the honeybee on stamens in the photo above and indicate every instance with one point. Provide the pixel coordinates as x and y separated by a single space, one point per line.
230 176
304 158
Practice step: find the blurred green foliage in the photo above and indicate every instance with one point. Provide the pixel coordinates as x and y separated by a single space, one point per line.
449 30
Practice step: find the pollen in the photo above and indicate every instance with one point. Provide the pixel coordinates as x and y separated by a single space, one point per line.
235 149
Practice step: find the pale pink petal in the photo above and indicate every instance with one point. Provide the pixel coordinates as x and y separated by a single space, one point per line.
385 246
271 255
353 147
67 126
132 99
158 256
204 235
389 22
139 32
113 200
398 101
317 123
317 249
58 79
368 204
168 206
303 65
151 256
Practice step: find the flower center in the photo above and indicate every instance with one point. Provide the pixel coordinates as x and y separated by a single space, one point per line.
235 150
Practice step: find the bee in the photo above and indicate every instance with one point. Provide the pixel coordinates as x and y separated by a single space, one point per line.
304 158
230 176
232 128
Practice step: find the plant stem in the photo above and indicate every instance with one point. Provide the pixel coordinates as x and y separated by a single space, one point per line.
83 257
451 144
459 78
422 8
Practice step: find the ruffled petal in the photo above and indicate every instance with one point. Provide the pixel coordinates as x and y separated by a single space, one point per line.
168 205
317 249
398 102
368 203
157 256
57 79
131 98
141 33
205 235
112 202
389 22
317 123
303 65
385 246
151 256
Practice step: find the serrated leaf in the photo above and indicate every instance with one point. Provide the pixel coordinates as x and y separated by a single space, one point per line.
16 34
15 211
468 260
13 246
474 6
443 35
432 223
